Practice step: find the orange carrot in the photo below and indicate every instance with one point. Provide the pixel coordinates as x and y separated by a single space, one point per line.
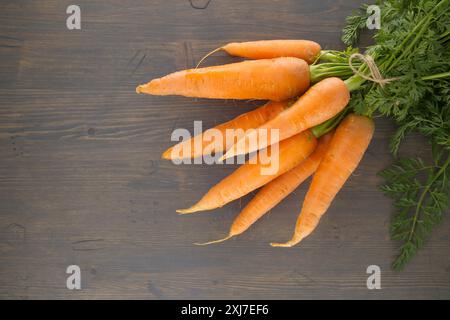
320 103
268 49
267 79
249 177
347 147
276 190
249 120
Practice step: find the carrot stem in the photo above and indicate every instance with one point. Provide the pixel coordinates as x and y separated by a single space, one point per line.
437 76
330 124
332 56
354 82
321 71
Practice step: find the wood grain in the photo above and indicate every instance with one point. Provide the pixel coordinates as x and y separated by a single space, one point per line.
81 180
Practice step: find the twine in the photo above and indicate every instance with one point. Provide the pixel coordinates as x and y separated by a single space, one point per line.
375 74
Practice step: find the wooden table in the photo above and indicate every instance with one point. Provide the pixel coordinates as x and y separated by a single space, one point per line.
82 182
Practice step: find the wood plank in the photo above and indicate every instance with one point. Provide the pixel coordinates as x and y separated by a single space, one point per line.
82 182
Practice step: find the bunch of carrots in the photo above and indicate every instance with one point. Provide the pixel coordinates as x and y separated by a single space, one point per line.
308 91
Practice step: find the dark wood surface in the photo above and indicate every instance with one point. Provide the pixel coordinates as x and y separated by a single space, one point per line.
81 180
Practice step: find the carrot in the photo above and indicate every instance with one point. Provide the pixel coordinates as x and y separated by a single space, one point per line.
267 79
268 49
248 177
347 147
320 103
276 190
249 120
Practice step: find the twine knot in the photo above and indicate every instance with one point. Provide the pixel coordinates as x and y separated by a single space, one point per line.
375 74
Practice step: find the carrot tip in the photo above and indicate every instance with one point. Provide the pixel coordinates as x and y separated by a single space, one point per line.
166 155
282 245
184 211
220 160
225 157
192 209
211 242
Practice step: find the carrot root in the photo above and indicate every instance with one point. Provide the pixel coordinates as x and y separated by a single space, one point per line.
346 149
268 49
278 189
321 102
208 55
249 176
212 242
275 79
190 148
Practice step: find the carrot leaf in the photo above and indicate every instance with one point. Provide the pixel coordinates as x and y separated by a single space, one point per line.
420 195
354 24
412 51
